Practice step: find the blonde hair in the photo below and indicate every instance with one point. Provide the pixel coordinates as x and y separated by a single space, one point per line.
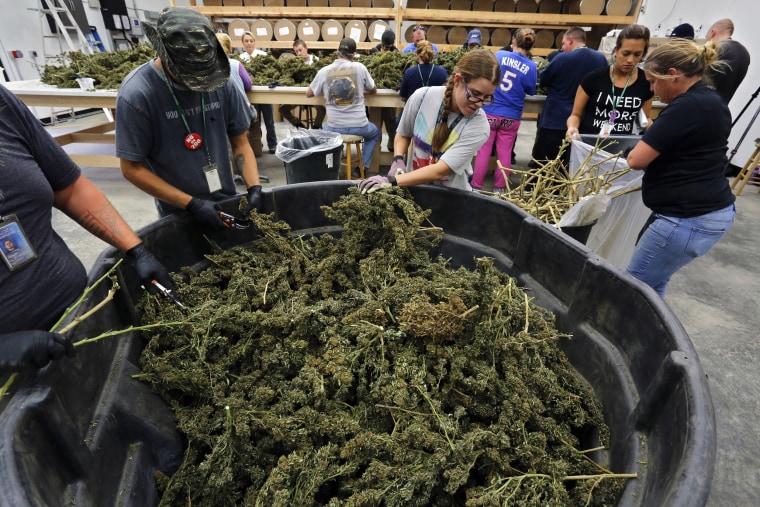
425 51
684 55
225 41
479 63
249 34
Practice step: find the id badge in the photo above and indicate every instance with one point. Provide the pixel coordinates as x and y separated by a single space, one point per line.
15 247
606 129
211 172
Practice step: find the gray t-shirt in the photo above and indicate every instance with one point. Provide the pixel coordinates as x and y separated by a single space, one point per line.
418 121
150 129
342 83
32 167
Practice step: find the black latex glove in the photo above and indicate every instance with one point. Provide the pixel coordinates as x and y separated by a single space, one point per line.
148 268
26 350
254 200
205 212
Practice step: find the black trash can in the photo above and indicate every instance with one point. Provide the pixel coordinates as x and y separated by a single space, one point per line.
310 155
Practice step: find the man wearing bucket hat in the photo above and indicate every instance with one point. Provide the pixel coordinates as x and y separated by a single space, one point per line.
175 116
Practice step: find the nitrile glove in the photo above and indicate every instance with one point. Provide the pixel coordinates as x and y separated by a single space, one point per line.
375 183
148 268
26 350
206 212
398 166
254 200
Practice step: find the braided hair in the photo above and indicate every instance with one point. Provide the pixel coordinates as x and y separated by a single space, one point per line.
480 63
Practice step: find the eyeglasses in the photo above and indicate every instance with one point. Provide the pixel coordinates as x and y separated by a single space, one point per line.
418 27
471 97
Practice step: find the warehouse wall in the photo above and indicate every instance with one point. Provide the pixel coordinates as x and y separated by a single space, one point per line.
19 30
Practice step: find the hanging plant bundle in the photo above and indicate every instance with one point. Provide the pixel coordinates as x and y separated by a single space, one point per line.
360 370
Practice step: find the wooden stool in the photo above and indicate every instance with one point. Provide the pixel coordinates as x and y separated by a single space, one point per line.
357 141
308 112
746 173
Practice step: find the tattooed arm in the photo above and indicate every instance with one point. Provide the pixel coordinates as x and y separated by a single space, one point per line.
85 203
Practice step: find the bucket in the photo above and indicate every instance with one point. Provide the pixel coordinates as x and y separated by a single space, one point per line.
382 4
579 233
416 4
356 30
376 30
332 31
436 34
572 7
456 35
501 37
308 30
274 3
340 3
237 28
460 5
62 428
618 7
550 7
526 6
544 38
482 5
438 4
312 155
262 29
284 30
592 7
296 3
366 4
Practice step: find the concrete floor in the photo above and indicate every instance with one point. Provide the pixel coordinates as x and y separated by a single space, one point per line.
715 298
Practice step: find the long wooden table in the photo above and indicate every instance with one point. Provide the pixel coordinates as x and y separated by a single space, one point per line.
35 93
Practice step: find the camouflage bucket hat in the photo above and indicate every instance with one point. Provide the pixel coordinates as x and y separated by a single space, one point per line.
185 41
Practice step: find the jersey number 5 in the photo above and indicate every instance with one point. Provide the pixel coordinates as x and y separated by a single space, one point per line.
507 81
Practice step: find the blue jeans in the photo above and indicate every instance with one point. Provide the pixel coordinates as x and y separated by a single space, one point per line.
369 132
670 243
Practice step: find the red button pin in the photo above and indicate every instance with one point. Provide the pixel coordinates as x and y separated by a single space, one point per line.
193 141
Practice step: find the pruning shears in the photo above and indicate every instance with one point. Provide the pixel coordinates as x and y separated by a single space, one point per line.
232 222
168 293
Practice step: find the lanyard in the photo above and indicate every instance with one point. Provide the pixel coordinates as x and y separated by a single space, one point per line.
614 113
425 83
451 127
181 112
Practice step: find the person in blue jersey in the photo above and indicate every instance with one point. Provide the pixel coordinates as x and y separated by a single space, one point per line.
518 78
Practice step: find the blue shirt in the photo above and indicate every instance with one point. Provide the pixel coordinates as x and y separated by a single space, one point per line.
518 78
413 47
562 76
424 74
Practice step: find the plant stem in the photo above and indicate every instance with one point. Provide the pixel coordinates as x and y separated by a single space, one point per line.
127 330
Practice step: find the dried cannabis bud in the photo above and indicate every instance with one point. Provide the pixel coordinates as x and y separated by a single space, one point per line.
356 370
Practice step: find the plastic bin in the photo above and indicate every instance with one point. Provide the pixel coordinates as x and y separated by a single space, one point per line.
84 432
310 155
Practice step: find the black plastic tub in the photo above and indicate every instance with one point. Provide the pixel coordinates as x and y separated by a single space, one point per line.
84 432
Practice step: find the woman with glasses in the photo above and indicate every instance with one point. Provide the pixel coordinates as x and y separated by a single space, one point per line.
518 78
446 127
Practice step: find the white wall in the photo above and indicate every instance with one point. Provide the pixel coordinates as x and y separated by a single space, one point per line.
702 13
20 30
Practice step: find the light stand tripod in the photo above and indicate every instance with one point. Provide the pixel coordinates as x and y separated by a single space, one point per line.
746 130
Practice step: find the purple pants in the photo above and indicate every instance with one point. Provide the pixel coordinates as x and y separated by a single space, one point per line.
503 133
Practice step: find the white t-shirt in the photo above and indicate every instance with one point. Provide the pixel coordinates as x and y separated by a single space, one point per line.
468 134
342 84
256 52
